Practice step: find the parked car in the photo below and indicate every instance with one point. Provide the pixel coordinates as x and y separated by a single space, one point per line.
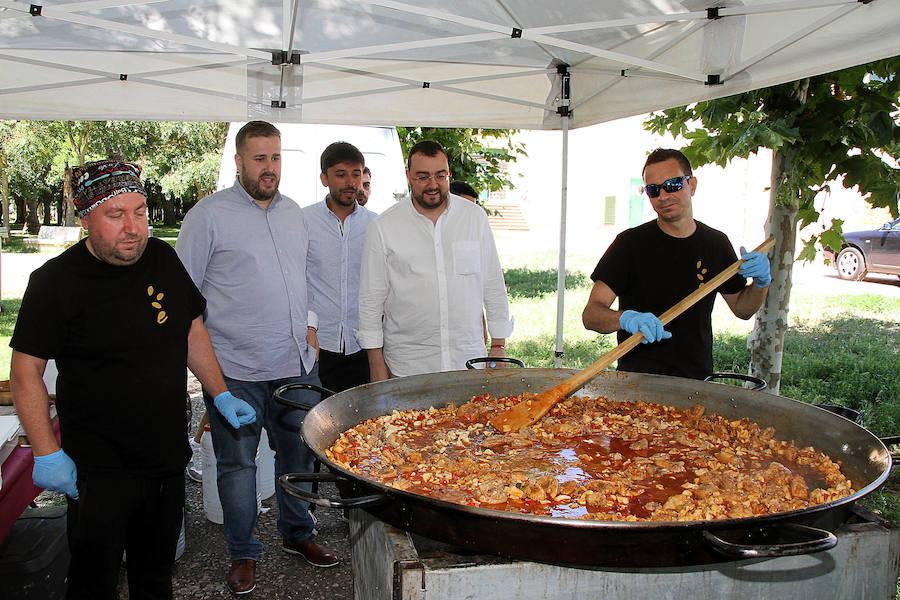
872 251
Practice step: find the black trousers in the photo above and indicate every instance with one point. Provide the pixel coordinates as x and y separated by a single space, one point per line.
340 372
112 515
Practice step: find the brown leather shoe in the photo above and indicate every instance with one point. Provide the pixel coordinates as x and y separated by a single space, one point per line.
242 576
315 554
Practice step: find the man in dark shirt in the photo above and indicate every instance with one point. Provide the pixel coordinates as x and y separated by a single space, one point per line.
121 317
365 188
653 266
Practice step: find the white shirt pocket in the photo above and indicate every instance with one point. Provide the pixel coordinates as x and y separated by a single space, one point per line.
466 258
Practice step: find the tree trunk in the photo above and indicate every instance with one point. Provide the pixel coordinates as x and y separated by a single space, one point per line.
169 218
34 203
68 197
766 341
46 210
20 209
31 214
4 189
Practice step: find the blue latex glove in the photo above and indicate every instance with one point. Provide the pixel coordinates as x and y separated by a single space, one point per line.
55 472
647 323
236 411
756 265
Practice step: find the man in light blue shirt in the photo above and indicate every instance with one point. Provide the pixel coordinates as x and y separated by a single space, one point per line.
337 230
245 248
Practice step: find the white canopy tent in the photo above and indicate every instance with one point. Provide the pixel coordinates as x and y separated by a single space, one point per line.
528 64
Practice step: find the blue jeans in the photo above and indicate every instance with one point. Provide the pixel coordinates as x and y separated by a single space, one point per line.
236 461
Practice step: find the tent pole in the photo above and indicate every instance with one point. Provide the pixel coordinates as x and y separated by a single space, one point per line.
561 274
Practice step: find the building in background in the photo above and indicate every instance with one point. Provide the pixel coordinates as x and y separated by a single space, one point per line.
605 163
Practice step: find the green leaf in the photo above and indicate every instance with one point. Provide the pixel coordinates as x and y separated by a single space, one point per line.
833 237
808 253
807 216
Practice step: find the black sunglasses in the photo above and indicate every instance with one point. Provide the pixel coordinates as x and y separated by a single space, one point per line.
670 185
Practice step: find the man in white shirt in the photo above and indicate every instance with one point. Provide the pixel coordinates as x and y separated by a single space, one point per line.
337 228
429 267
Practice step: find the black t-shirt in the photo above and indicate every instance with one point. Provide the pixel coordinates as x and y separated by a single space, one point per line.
650 271
119 337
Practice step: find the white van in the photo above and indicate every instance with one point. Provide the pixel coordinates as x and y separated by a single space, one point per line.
301 147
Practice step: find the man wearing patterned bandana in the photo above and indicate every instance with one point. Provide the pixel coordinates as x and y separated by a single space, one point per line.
122 319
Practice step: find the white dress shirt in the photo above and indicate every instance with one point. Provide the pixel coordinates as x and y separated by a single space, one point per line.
332 271
429 282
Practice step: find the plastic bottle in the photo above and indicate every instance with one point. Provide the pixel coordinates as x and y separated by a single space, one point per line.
265 468
212 506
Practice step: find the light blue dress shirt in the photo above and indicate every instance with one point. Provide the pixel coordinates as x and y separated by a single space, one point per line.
250 265
332 271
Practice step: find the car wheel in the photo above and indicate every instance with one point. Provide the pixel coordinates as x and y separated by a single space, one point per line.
851 265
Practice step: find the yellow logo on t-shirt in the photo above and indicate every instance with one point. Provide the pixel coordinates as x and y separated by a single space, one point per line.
155 302
701 271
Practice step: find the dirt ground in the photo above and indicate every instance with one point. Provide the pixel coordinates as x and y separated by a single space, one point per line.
201 570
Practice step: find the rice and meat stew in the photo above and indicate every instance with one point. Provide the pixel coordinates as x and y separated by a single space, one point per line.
592 458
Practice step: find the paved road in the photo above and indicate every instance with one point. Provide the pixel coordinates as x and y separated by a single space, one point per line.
15 268
823 278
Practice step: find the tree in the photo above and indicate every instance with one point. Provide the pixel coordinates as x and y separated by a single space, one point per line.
185 161
179 160
838 127
6 131
31 151
472 157
79 138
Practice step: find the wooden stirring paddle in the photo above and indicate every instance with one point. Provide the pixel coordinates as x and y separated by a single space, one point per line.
530 410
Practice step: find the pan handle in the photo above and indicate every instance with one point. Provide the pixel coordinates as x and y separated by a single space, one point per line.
277 394
818 540
289 484
759 384
470 364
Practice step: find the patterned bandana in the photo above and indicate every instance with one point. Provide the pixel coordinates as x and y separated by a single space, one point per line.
96 182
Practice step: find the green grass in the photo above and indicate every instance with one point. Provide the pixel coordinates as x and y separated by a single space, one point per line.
166 233
7 324
16 243
523 282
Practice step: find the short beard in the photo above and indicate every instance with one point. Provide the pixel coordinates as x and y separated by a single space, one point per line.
252 188
420 199
109 253
337 196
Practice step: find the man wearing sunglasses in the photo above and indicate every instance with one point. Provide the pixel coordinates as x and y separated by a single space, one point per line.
653 266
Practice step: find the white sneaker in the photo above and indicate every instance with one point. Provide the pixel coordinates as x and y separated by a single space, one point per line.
195 467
